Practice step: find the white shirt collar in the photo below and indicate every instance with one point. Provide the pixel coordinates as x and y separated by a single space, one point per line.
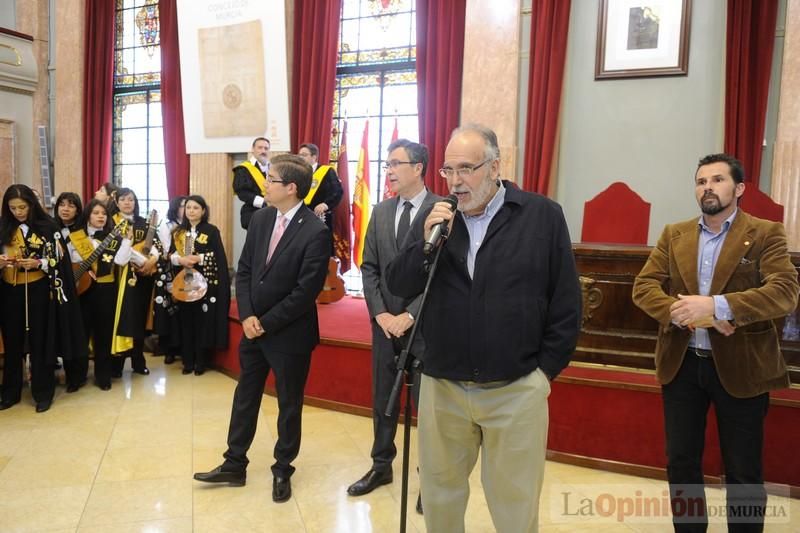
291 212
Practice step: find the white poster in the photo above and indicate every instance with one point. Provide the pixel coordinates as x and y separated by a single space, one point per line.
233 74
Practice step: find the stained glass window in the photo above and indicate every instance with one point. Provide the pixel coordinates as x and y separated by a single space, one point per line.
376 80
138 147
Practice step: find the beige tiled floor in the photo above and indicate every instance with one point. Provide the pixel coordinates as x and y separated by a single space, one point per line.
123 460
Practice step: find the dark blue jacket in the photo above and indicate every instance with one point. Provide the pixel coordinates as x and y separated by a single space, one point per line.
521 311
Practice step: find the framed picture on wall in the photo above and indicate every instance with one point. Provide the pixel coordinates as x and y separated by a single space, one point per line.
642 38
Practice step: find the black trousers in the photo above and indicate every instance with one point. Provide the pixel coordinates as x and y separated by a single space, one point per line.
137 358
384 370
192 320
43 381
291 372
138 305
741 436
97 308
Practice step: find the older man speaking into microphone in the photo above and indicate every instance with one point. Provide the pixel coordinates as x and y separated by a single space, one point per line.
502 320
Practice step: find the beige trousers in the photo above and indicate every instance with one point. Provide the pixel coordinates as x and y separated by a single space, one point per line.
507 422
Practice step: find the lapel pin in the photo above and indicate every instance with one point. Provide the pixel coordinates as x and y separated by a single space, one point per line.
300 221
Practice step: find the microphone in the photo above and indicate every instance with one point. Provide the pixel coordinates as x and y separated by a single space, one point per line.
440 230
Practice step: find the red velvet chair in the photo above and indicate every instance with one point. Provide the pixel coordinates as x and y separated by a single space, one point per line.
760 205
617 215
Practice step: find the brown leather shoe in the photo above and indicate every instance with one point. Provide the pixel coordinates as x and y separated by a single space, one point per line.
281 489
371 481
218 475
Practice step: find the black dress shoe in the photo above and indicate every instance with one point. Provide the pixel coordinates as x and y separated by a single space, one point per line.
281 489
169 359
186 371
371 481
5 405
419 503
143 371
218 475
105 386
73 388
199 371
41 407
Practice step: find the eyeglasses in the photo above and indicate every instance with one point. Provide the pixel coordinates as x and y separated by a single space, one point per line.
273 180
394 164
463 172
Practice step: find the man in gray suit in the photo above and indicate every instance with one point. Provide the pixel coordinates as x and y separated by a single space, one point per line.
392 316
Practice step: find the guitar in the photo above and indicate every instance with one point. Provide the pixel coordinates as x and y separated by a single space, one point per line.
333 290
80 271
141 251
190 285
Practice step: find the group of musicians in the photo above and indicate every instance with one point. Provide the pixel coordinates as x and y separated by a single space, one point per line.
97 279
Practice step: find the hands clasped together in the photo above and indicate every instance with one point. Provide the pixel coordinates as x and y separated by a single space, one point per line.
698 312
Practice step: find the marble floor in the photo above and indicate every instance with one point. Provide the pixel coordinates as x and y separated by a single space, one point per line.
122 461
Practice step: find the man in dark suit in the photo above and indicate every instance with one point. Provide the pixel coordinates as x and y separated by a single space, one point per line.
501 320
249 180
281 271
716 284
326 187
392 316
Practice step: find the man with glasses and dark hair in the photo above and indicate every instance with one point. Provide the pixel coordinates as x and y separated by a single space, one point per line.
501 321
391 316
249 180
281 271
326 188
717 284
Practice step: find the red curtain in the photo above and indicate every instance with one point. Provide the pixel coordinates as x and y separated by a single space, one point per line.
316 38
440 56
175 156
750 42
549 27
98 94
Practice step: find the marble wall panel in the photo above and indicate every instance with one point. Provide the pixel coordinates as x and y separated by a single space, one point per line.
786 161
210 177
7 160
491 73
69 47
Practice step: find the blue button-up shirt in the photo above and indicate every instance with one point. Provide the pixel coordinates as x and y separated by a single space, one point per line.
478 224
708 248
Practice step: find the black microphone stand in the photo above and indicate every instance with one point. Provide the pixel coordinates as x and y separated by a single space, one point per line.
407 364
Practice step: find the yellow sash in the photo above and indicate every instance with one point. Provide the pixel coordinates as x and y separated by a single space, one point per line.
179 238
12 275
316 181
120 344
82 243
257 176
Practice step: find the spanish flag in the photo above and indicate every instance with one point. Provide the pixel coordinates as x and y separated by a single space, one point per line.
361 205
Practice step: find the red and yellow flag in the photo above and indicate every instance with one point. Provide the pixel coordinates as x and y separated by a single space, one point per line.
387 187
342 241
361 205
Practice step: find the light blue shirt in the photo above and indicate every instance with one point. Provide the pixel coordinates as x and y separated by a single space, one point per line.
478 224
708 248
